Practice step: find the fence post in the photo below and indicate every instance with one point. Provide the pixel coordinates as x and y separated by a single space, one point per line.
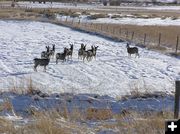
127 34
66 18
113 30
132 36
177 43
144 39
176 103
120 31
72 21
159 39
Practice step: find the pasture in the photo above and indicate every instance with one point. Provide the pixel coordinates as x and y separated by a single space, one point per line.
112 73
57 78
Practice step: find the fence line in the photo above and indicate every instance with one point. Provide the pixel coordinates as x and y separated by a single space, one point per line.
119 33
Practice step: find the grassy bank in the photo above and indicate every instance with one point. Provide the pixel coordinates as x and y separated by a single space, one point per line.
54 122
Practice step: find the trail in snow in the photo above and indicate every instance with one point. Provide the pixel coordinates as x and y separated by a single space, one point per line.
112 73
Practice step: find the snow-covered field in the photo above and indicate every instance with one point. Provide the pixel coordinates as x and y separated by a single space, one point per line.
131 20
112 73
94 6
140 21
53 5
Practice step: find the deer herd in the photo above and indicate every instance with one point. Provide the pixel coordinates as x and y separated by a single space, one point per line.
68 52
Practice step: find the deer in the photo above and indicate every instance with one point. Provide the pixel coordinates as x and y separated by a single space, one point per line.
61 56
132 50
52 51
90 53
70 51
95 50
45 54
80 51
41 62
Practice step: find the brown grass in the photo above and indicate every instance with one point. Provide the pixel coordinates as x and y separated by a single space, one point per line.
51 122
145 122
98 114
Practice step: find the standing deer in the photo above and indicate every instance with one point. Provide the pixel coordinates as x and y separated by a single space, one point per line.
52 51
45 54
80 51
41 62
132 50
61 56
90 53
70 51
95 50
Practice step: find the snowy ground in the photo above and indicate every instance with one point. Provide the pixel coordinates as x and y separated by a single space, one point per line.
112 73
138 21
23 104
131 20
94 6
53 5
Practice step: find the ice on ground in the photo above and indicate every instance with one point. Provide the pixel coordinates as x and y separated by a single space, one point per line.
112 73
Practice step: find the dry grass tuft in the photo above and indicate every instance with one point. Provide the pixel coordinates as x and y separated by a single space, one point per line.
98 114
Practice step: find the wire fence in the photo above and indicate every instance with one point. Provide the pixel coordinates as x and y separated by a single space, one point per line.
154 39
157 38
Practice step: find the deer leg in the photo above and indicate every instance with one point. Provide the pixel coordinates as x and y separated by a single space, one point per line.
83 58
35 68
44 68
138 55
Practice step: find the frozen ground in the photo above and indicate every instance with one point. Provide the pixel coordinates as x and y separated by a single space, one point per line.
23 104
94 6
131 20
141 21
113 73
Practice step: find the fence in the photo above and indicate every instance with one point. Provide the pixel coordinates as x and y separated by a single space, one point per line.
159 39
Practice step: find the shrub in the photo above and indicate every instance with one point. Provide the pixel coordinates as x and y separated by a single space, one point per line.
49 14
